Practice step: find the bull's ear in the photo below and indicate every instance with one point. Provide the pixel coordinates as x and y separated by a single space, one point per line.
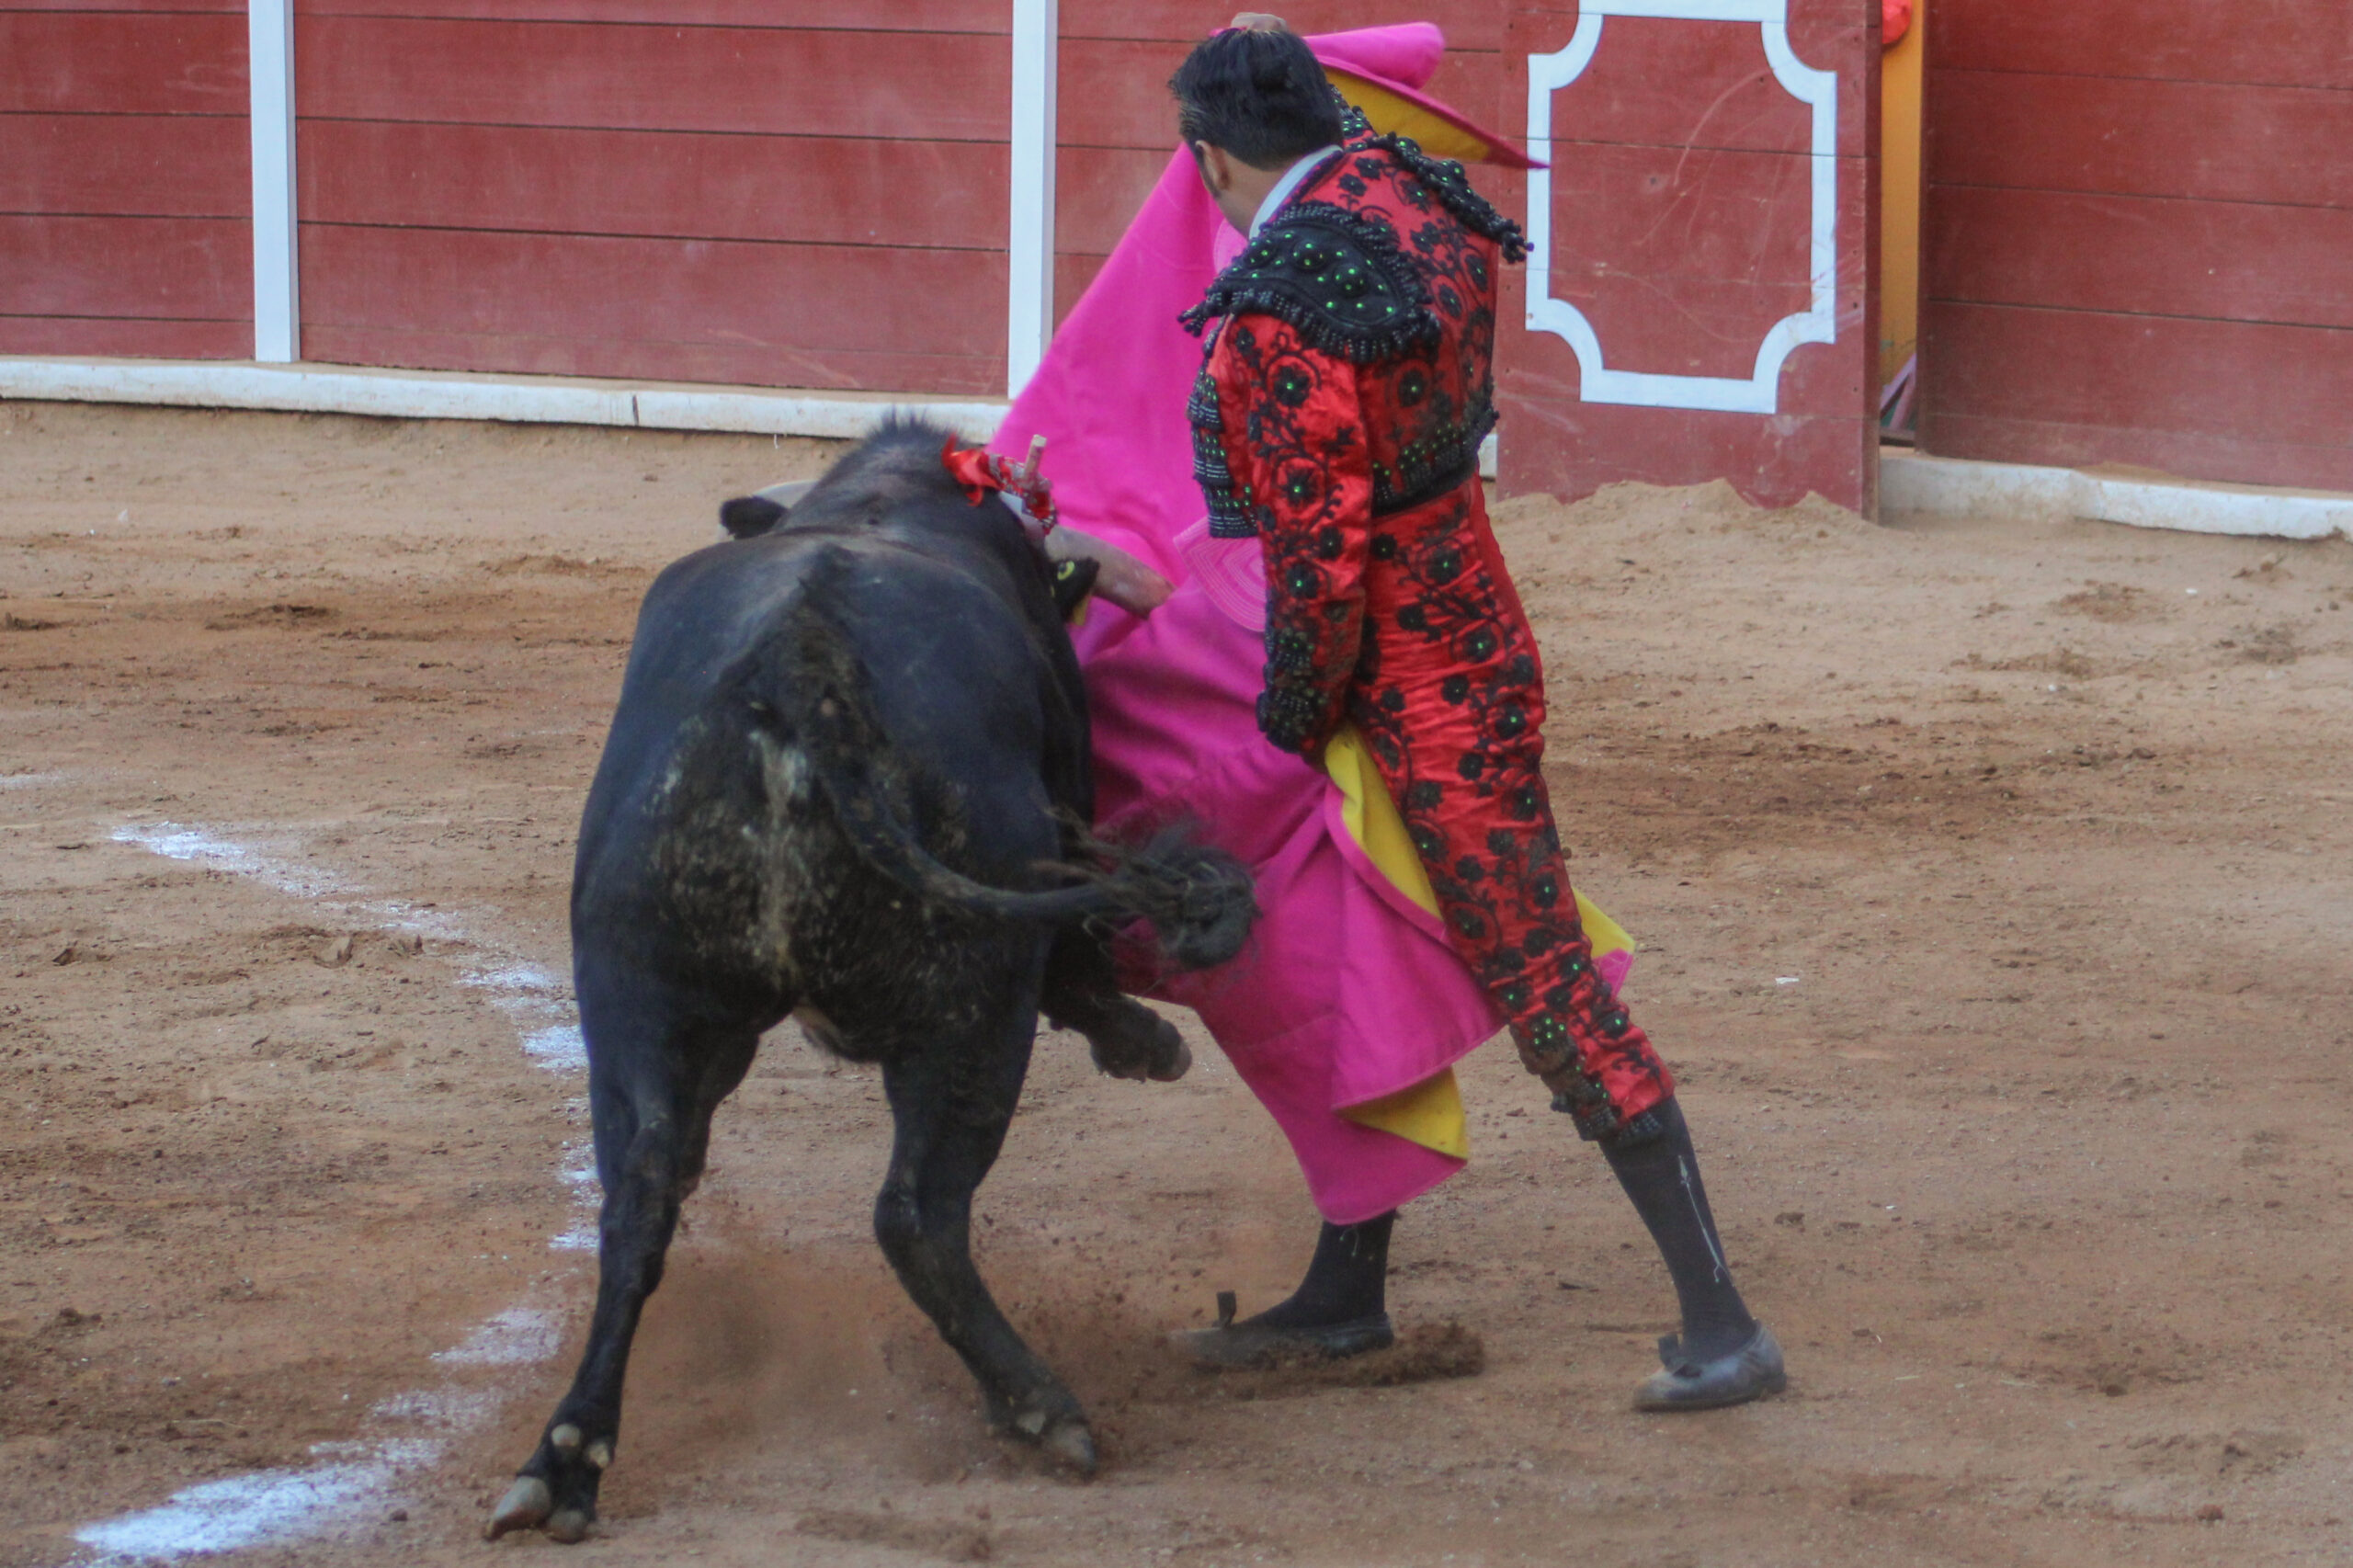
748 517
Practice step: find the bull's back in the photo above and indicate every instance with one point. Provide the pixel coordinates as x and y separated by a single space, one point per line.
711 845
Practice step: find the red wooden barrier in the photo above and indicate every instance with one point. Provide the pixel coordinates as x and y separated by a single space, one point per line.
1686 227
2139 242
724 191
814 194
125 189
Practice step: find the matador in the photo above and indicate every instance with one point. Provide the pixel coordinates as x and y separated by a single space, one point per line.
1347 384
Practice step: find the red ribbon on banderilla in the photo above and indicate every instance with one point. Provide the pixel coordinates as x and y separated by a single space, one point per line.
978 472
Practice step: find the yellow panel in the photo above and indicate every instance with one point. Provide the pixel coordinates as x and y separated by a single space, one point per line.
1430 1114
1898 198
1371 817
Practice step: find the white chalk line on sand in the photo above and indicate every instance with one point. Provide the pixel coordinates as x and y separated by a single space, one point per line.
540 1004
277 1507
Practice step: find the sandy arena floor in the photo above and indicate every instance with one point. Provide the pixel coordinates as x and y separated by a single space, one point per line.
1993 881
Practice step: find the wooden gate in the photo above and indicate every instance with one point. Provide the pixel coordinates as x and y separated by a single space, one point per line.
2139 242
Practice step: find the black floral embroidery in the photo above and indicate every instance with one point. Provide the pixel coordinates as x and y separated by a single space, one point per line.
1336 275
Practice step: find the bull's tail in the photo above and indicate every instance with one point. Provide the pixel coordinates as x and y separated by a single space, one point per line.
1199 900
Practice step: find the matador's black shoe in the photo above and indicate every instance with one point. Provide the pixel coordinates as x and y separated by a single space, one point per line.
1253 1343
1684 1383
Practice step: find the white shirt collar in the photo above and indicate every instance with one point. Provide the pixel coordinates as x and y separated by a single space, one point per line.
1293 178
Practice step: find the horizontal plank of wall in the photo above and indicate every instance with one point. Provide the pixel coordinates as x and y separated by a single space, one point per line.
1470 25
228 7
2231 261
112 337
556 180
2052 380
1474 25
151 165
560 180
2272 42
655 290
772 81
131 63
758 315
1114 92
2187 453
724 364
2199 140
893 16
143 268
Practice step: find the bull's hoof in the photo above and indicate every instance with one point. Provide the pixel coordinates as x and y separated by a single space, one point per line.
526 1506
1132 1042
1070 1444
1051 1422
529 1503
556 1492
1178 1063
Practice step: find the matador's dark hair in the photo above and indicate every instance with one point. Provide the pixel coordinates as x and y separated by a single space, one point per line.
1260 96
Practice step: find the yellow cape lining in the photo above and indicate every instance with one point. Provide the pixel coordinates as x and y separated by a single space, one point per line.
1428 1113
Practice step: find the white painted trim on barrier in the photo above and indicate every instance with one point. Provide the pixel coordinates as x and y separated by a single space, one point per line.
422 395
1029 304
1910 482
1760 391
278 308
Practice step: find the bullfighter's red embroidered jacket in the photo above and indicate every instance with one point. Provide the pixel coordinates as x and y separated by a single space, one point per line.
1338 414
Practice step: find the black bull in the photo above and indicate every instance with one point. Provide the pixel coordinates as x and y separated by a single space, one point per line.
848 779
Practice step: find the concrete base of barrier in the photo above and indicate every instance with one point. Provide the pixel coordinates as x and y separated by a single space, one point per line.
1952 486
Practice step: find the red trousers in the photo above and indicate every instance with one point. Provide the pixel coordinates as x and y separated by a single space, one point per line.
1449 693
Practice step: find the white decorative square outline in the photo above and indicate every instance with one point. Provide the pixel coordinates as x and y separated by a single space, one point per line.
1760 394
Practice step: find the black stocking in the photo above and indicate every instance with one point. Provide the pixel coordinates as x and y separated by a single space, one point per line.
1662 1175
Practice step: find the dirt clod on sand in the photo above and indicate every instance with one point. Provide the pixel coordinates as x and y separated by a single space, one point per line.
1994 883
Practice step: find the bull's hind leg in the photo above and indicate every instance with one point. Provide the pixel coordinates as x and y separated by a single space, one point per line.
1128 1039
952 1104
656 1074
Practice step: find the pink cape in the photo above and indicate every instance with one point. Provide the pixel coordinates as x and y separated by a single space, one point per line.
1349 991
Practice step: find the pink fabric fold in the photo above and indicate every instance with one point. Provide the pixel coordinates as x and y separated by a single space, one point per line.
1348 992
1406 52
